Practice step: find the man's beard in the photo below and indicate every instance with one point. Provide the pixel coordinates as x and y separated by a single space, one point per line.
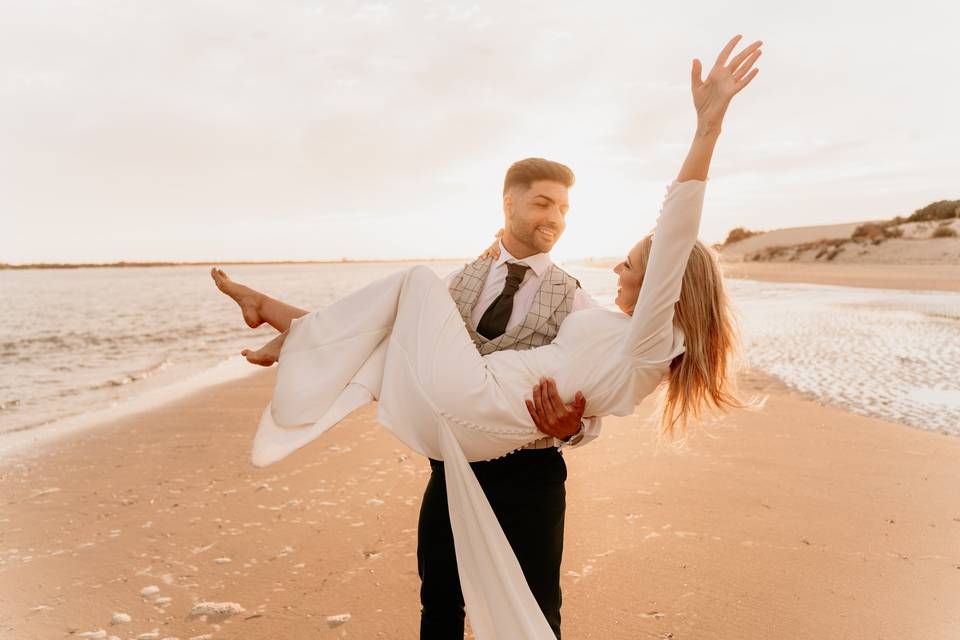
529 236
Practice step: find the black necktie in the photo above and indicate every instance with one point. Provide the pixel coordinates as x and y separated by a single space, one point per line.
495 318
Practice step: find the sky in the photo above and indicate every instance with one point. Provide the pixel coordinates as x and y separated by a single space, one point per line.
234 130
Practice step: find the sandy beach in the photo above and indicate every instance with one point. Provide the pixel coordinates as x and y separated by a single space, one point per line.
794 521
926 277
191 189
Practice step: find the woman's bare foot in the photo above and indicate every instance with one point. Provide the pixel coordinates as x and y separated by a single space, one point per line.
266 355
248 299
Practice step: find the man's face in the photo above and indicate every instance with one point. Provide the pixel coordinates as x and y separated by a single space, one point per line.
535 216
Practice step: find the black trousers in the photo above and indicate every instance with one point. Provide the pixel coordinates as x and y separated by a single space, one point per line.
527 493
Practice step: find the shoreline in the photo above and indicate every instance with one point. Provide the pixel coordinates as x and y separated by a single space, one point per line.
209 263
894 277
913 277
43 433
797 520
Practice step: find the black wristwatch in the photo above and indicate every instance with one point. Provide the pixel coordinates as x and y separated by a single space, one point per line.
574 439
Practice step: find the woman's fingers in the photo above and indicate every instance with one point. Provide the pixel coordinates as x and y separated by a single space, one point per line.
493 251
725 53
696 78
740 57
745 81
745 67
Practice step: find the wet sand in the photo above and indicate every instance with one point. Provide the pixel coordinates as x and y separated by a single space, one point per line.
794 521
925 277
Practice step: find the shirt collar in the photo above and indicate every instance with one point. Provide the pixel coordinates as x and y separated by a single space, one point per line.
538 262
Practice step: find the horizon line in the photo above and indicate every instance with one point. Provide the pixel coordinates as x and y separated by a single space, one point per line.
160 263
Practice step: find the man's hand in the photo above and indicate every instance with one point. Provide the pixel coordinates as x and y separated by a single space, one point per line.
551 415
493 251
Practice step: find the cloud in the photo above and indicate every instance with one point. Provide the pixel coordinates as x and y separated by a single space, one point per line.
222 119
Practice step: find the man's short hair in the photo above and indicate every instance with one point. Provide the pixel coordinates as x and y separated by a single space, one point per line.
527 171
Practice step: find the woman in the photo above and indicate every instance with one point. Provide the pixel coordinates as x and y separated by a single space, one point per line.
401 341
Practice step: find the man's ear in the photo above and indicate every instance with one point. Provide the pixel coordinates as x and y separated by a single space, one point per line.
507 208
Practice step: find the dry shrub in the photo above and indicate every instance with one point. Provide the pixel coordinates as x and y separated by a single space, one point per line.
940 210
738 234
824 246
944 232
871 231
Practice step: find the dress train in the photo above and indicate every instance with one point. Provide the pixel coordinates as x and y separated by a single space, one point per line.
401 341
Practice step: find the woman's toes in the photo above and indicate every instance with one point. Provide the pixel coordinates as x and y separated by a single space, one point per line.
218 279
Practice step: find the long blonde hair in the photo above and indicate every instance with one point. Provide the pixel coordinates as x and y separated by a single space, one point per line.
704 376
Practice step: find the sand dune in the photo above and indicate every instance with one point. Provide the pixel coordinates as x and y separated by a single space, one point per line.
915 261
916 245
789 236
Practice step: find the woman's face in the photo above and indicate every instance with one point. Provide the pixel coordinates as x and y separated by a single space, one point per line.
630 277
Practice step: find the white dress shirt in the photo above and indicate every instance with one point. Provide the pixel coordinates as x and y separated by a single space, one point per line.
522 301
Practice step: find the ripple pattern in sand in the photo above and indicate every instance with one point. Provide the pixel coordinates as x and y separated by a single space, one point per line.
884 353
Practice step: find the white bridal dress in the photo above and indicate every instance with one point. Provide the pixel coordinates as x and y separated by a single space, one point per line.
402 341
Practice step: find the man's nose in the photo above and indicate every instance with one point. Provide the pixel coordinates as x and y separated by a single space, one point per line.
555 218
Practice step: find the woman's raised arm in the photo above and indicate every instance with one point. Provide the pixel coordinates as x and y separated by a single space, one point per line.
651 329
711 99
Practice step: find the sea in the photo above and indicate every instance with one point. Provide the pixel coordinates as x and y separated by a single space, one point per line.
81 346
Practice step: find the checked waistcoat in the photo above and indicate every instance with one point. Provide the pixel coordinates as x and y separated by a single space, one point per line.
551 304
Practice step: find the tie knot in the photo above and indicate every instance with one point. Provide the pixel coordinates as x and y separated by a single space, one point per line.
515 273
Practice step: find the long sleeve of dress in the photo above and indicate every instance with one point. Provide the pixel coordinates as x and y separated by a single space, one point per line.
650 335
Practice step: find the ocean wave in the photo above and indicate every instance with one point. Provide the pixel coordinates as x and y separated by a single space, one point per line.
36 430
82 340
124 379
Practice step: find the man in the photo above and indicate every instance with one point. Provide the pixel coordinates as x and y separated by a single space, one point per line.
516 300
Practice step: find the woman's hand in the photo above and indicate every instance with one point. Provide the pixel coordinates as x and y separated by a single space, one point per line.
711 99
493 251
725 80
